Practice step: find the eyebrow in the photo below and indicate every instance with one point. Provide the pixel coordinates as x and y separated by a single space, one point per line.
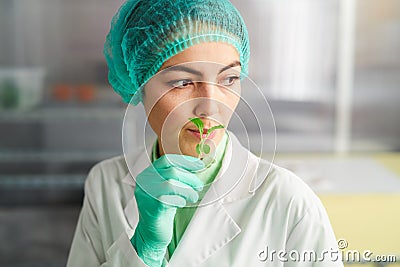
232 65
198 73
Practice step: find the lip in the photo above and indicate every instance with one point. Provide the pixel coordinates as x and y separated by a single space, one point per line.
196 133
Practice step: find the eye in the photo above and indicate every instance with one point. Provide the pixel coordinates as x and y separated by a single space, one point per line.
182 83
228 81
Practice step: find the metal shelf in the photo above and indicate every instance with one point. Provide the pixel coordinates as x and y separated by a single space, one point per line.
62 114
32 182
39 264
55 156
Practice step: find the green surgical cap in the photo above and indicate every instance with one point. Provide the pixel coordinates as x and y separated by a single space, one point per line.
146 33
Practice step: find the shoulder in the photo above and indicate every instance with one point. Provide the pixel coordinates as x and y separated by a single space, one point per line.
287 183
284 189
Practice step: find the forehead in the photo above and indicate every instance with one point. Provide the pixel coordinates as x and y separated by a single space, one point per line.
221 54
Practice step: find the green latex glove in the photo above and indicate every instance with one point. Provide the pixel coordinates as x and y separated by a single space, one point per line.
161 188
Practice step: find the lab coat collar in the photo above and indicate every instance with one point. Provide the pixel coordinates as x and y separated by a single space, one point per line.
241 174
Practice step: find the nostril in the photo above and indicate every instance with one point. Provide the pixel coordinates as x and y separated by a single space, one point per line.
205 107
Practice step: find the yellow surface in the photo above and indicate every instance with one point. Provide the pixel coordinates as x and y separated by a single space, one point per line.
366 222
390 161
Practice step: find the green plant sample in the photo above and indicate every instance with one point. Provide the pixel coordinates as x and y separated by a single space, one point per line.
202 148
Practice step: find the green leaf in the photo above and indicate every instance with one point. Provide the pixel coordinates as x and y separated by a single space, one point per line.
199 124
215 128
198 149
206 148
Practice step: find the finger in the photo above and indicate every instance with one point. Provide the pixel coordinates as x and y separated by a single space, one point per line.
182 176
173 200
181 161
186 162
174 187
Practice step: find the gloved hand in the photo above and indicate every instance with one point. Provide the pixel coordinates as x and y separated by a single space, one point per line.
160 189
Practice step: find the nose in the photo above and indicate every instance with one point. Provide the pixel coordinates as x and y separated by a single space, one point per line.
207 103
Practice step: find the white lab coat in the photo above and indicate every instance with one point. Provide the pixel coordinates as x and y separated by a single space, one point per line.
253 213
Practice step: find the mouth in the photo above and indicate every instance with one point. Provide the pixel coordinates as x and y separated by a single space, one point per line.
196 133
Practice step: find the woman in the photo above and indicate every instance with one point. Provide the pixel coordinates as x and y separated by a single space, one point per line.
182 60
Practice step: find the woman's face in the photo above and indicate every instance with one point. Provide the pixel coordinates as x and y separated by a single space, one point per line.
202 81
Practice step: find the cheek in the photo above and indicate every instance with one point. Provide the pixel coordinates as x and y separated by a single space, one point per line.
167 116
156 104
157 115
232 99
234 102
227 109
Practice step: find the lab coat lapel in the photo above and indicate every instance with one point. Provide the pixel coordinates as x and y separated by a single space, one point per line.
234 173
210 229
241 173
141 161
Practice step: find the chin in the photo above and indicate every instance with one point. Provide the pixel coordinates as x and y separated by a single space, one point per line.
188 142
187 146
